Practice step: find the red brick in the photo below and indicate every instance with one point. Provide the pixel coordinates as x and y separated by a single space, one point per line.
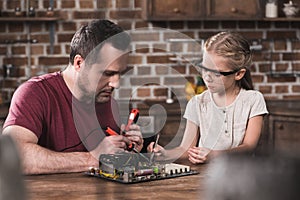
158 48
144 81
281 89
53 60
141 24
257 78
143 48
68 4
264 67
178 70
296 88
88 14
42 37
291 56
86 4
136 37
273 79
296 67
68 26
158 59
295 44
17 61
37 49
135 59
281 67
125 14
161 70
104 3
13 4
176 47
265 89
291 97
56 49
125 93
280 45
64 37
143 70
10 83
160 92
138 3
123 3
179 80
281 34
16 27
143 92
18 50
126 24
193 70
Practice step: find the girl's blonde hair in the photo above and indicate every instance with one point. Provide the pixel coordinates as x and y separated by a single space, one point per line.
236 49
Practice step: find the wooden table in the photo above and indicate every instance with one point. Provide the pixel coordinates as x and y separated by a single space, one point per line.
78 186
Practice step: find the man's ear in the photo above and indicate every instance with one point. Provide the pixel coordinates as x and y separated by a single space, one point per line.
240 74
78 60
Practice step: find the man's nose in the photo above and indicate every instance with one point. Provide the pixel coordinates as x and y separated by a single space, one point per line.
114 81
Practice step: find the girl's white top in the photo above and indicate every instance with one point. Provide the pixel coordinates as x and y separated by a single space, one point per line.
224 127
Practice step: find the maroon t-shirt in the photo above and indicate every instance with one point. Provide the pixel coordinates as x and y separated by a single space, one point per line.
46 106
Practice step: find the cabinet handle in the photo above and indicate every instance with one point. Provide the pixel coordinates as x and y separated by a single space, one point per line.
280 126
176 10
234 10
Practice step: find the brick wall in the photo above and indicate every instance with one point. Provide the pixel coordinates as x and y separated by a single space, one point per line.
156 63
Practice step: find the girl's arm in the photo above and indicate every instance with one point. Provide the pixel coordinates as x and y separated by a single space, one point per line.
252 135
251 138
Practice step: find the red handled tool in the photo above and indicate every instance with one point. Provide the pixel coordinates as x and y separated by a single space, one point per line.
133 117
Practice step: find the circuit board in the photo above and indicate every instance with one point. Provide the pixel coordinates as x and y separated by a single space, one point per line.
130 168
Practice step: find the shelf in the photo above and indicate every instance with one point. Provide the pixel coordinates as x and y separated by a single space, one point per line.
28 19
283 19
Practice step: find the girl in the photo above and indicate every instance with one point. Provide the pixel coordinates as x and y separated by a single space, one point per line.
228 116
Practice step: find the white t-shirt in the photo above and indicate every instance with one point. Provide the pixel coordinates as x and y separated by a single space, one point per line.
224 127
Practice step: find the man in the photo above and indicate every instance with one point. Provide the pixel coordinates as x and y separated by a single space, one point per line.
58 120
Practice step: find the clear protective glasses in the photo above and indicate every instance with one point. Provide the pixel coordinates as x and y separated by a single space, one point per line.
214 73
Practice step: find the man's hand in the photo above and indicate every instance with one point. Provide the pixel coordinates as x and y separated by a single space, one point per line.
111 145
134 135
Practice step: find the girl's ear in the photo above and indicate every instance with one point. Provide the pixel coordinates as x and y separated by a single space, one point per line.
240 74
78 60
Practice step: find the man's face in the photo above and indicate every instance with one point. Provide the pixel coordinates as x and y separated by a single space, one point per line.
97 82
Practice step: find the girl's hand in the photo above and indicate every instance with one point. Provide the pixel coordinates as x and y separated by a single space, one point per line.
158 150
198 155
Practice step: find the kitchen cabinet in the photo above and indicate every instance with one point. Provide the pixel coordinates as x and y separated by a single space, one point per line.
200 9
173 9
237 9
281 132
182 10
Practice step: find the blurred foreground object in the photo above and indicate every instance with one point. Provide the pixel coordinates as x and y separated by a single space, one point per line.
238 177
192 89
11 179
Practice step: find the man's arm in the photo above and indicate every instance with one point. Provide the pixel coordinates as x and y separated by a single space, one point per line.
39 160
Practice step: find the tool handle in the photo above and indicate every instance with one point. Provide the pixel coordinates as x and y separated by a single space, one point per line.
132 118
